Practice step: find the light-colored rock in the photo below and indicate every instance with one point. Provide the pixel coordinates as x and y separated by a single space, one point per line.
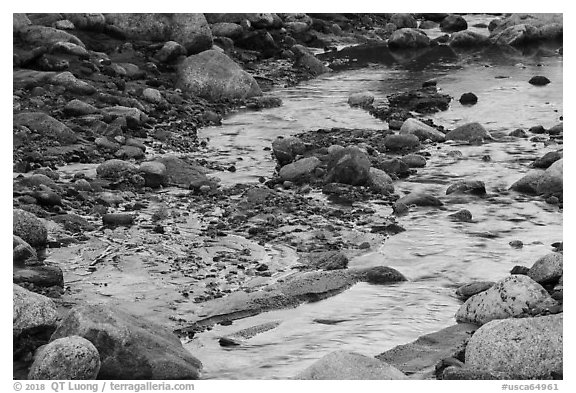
115 169
44 35
129 347
403 20
215 76
45 125
522 28
73 358
551 181
87 21
225 29
408 38
31 310
469 132
467 38
299 170
511 297
72 84
530 348
76 107
29 227
380 181
152 95
344 365
421 130
361 99
134 114
515 35
548 268
19 21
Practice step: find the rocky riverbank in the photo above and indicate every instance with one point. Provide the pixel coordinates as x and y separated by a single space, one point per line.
120 236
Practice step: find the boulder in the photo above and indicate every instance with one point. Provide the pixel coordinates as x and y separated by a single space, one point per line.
558 129
190 30
22 252
521 28
344 365
226 29
287 148
419 199
547 159
403 21
299 171
257 20
45 125
467 38
130 347
42 276
19 21
453 23
115 169
184 174
361 99
475 187
73 358
154 173
547 269
31 310
29 227
72 84
528 183
401 142
513 296
46 36
76 107
414 160
421 130
530 348
551 181
380 181
349 166
215 76
87 21
469 132
514 35
408 38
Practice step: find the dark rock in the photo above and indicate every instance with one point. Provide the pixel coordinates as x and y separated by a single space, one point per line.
71 358
467 39
45 125
523 270
468 290
528 183
453 23
257 40
154 173
475 187
44 276
383 275
170 52
420 357
539 81
468 99
392 166
414 160
311 64
118 219
518 133
401 142
130 347
74 223
461 215
361 99
425 100
403 20
29 227
537 129
420 199
556 130
349 166
22 252
287 148
547 159
516 244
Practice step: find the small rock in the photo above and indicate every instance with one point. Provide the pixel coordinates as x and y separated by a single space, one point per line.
383 275
421 130
518 133
453 23
475 187
516 244
469 132
414 160
539 81
419 199
73 358
361 99
118 219
349 166
461 215
468 290
380 181
79 108
400 142
468 99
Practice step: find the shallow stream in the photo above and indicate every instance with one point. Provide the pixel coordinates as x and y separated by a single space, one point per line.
436 254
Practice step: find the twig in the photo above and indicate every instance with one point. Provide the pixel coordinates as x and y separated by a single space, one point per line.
100 257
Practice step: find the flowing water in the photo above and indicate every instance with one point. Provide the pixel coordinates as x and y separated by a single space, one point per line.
436 254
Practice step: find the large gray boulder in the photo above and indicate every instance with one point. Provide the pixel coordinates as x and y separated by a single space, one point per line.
45 125
407 38
29 228
226 29
551 181
469 132
521 28
215 76
130 347
511 297
71 357
349 166
530 348
189 30
547 269
300 170
344 365
31 310
528 183
421 130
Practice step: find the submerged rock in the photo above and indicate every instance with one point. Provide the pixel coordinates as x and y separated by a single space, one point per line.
344 365
73 358
468 99
462 215
129 347
530 348
239 337
419 199
513 296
